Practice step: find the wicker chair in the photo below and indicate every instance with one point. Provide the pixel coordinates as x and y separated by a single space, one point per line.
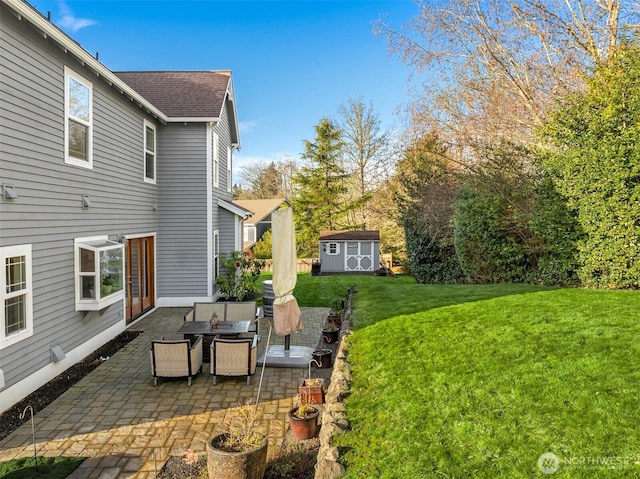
233 357
227 311
175 358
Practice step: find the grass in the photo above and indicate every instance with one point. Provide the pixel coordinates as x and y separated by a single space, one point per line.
479 381
47 467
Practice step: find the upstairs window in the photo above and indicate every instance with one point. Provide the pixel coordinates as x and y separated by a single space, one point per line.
149 152
229 179
78 108
16 315
99 267
215 158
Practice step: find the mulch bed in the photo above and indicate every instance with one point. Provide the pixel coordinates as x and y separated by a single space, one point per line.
45 395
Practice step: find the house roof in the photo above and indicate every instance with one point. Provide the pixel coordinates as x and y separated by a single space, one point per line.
182 94
261 208
26 12
330 235
234 208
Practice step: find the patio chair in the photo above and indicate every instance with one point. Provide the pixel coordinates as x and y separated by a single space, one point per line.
204 311
243 311
175 358
233 357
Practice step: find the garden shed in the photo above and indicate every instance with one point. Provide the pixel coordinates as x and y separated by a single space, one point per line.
349 251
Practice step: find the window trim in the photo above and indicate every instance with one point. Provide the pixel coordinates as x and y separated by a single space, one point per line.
148 124
229 173
216 254
215 158
10 252
97 302
336 248
249 235
88 163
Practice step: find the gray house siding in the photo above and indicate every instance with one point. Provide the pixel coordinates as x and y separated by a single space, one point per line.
182 236
48 213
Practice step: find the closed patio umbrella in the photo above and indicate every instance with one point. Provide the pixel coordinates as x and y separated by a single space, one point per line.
287 317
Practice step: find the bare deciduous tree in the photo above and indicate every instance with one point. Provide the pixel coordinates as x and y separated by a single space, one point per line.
496 66
268 180
367 156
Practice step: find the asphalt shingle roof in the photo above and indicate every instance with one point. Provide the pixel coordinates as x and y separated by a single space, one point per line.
182 94
330 235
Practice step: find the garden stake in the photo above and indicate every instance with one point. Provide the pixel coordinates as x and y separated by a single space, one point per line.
33 433
309 379
264 360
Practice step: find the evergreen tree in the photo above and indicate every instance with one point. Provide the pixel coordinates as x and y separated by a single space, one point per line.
321 185
595 161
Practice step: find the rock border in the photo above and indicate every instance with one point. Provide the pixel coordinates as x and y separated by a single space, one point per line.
334 416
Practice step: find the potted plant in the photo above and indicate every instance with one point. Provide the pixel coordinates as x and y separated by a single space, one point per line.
311 391
107 285
330 333
322 357
303 419
335 312
241 451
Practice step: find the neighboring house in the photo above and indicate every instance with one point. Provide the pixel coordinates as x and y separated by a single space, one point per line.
256 225
116 196
349 251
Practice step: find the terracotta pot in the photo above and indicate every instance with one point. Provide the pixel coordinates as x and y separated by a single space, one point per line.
303 427
330 336
235 465
311 394
323 356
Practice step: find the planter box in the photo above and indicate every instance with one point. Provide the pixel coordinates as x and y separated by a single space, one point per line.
317 392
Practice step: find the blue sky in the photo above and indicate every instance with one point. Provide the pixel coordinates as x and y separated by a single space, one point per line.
293 62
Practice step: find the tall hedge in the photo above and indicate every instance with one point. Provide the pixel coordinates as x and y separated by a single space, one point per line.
595 160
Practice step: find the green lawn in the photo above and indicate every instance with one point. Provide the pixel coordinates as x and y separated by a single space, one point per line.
479 381
45 468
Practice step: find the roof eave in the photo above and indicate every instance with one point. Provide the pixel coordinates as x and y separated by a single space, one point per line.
235 209
25 11
193 119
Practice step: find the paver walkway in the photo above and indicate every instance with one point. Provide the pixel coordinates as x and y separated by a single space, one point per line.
127 428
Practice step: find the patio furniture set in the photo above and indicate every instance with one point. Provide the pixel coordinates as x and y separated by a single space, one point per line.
224 334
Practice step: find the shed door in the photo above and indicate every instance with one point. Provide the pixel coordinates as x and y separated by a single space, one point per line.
359 256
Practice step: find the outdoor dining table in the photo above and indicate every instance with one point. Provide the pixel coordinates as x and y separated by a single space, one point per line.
191 329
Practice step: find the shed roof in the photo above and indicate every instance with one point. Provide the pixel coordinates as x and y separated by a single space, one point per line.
261 208
367 235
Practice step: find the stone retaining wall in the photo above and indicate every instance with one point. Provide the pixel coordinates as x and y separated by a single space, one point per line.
334 415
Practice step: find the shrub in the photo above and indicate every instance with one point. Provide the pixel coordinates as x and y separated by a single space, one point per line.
239 275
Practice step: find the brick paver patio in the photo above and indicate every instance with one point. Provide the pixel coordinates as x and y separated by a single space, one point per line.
127 428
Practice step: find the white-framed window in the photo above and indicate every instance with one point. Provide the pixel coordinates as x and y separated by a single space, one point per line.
17 295
149 152
78 117
333 248
215 158
249 234
229 179
216 254
99 272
